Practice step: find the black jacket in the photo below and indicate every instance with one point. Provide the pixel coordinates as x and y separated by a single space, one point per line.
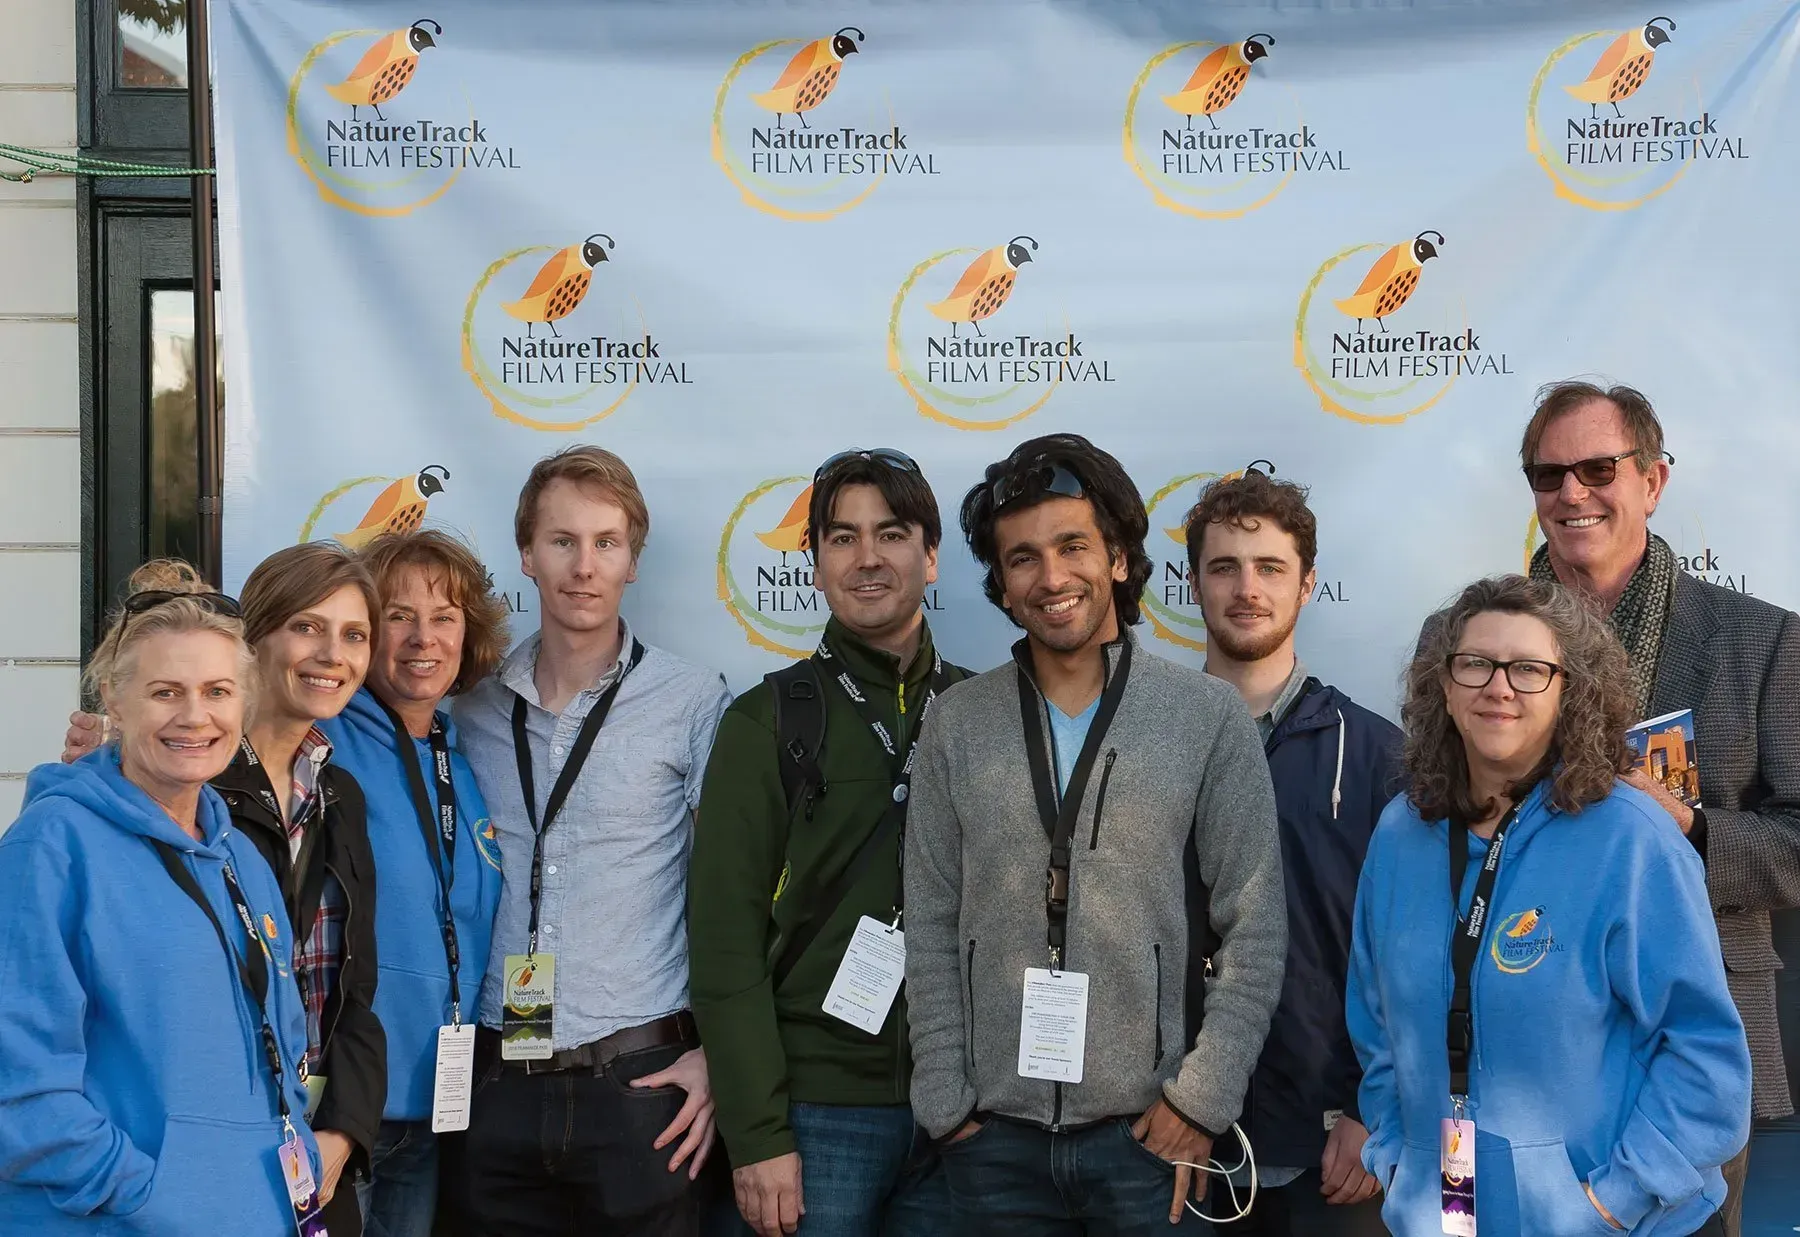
1335 765
355 1048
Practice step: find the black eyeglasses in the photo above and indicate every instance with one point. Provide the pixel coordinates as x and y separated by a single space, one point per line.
881 455
1040 476
1595 474
1527 675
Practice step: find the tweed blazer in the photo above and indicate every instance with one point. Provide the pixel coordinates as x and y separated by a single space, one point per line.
1735 661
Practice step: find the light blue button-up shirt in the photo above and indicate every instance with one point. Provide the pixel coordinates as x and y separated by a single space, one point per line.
614 904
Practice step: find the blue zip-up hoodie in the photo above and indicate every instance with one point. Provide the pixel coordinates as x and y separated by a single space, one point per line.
412 999
1607 1048
135 1096
1335 765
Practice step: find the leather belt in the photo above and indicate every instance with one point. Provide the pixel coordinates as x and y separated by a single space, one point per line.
596 1055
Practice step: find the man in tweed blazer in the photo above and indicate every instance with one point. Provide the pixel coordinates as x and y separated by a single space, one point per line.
1596 465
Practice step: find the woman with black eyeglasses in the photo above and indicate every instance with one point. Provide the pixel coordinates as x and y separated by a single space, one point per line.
152 1040
1536 991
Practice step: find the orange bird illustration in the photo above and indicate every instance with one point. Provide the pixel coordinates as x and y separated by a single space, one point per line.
1391 281
560 284
984 287
790 533
1218 79
400 508
385 68
1622 67
810 76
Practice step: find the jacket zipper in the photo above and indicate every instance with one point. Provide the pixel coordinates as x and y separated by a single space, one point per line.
1156 953
344 965
971 1005
1100 797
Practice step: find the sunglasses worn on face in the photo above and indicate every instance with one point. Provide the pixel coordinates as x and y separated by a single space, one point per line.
1527 676
1041 476
1595 474
882 455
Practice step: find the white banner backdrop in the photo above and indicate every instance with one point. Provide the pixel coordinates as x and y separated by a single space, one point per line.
726 239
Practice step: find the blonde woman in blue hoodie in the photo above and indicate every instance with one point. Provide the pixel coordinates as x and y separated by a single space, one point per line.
151 1034
1550 1049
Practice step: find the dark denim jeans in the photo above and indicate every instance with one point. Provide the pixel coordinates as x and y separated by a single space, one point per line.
1299 1210
568 1154
401 1198
867 1172
1009 1179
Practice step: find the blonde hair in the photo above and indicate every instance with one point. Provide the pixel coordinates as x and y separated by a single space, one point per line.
115 658
450 564
584 465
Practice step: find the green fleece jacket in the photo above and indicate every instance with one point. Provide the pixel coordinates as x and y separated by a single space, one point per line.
766 1047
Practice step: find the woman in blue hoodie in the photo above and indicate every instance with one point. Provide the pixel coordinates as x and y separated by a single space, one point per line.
151 1035
441 631
1591 1068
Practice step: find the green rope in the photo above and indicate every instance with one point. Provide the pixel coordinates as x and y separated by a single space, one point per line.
36 161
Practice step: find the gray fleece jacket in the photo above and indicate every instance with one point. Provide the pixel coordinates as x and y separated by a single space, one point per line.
1181 766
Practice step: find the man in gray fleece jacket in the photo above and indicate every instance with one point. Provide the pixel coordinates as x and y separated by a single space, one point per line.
1166 790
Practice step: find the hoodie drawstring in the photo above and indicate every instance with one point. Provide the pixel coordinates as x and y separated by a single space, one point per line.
1337 779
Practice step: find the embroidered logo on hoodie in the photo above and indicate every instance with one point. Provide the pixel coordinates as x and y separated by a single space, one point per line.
1523 940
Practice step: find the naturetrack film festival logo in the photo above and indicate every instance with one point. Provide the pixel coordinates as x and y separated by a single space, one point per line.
390 132
399 507
1249 144
566 349
815 143
1391 346
984 377
1631 126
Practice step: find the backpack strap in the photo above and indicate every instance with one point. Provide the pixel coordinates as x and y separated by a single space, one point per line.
800 730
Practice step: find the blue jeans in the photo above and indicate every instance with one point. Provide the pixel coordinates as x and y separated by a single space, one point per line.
401 1198
1009 1179
866 1172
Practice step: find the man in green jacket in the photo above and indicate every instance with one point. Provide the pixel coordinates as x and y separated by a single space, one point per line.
795 939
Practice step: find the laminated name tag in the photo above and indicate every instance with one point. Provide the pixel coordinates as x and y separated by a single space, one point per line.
1457 1168
1053 1025
303 1191
869 978
455 1078
527 1019
315 1091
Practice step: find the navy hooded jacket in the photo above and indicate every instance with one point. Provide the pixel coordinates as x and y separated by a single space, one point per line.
1335 766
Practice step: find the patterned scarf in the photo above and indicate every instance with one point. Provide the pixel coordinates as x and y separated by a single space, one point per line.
1641 615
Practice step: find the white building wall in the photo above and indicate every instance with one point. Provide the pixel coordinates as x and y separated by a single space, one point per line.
40 419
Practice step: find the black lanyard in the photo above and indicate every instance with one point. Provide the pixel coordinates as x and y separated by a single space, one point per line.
565 781
439 829
252 966
1059 817
859 698
1465 946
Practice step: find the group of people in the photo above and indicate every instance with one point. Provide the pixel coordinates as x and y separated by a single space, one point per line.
339 917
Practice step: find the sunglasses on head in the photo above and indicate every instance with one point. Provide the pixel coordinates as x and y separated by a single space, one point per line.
880 455
1038 477
1594 474
151 598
